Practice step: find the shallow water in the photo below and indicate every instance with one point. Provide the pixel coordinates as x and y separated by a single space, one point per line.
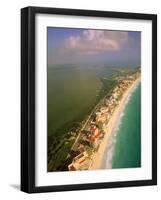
124 149
72 93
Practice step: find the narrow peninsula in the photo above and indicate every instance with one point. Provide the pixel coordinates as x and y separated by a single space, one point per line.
95 134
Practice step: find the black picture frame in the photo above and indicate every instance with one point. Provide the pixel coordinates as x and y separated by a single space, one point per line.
28 98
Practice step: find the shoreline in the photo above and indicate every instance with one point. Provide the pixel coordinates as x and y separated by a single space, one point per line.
98 157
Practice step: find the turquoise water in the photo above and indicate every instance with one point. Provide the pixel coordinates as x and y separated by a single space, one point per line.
127 149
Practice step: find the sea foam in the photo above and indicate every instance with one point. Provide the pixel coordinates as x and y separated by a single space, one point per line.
110 147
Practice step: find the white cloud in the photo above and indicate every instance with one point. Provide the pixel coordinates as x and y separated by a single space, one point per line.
96 41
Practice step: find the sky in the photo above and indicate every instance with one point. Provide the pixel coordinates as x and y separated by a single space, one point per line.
78 46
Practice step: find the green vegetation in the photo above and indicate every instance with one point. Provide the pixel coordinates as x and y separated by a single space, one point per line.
89 151
107 86
59 144
58 156
60 140
122 72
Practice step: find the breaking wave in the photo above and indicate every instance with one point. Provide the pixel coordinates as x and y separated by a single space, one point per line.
108 157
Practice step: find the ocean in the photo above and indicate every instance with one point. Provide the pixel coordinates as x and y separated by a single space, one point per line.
124 149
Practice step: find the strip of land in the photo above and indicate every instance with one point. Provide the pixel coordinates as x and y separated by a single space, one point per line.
98 156
91 142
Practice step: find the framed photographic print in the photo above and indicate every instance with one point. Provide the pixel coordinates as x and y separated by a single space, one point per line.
88 99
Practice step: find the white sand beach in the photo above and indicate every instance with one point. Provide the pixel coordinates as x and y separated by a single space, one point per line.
98 157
